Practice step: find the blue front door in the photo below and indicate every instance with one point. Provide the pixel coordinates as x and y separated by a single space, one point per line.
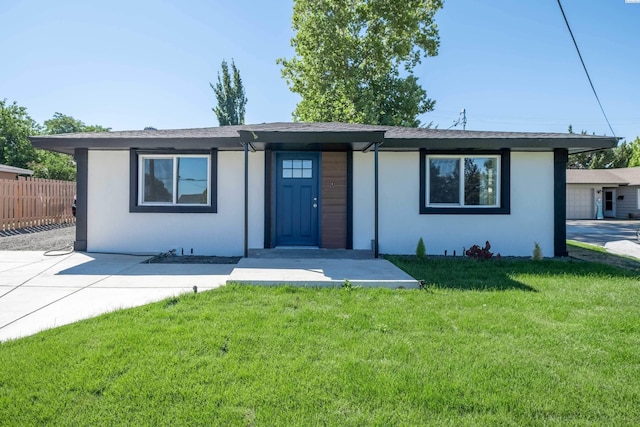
297 199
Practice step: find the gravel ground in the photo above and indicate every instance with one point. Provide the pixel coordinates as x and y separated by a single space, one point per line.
56 238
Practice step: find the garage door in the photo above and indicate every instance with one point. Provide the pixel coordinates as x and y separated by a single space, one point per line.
580 203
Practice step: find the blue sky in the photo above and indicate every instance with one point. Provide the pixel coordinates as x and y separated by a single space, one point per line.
136 63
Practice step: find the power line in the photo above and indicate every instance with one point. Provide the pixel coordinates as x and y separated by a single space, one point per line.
585 68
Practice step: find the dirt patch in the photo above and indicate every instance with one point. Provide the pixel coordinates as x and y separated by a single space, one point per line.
604 258
192 259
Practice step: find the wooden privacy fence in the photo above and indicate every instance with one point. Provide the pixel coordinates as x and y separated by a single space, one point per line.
32 202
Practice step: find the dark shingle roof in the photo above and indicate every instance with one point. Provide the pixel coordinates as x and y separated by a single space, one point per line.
300 135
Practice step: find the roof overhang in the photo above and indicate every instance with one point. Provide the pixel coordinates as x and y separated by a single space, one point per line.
311 141
321 137
69 145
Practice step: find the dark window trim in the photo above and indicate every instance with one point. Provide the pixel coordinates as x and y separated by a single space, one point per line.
133 183
505 184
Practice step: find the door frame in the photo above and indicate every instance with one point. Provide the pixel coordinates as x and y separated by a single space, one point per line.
609 213
269 197
275 179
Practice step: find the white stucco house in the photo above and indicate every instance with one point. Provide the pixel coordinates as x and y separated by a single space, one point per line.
617 190
226 190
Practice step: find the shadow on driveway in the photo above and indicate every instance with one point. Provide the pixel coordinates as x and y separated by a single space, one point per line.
600 232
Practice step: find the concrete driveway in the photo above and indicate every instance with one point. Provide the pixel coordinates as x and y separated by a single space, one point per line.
39 292
617 236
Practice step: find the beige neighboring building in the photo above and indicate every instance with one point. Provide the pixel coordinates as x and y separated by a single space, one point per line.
12 172
617 189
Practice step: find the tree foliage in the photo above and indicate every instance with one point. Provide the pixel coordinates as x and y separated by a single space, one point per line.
16 150
230 96
634 156
49 165
617 157
354 60
15 128
61 123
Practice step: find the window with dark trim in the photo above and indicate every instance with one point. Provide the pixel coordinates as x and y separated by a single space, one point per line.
173 181
460 182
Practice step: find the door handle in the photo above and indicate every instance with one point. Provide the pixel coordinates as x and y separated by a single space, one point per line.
315 205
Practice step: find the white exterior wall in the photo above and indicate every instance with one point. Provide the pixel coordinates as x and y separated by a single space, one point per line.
112 228
363 200
401 224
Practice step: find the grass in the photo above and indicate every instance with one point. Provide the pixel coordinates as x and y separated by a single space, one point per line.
589 246
510 342
594 253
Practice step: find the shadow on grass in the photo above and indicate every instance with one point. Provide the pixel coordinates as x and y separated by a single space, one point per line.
590 253
495 275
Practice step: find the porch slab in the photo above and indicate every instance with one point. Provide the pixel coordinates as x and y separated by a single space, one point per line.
320 272
310 252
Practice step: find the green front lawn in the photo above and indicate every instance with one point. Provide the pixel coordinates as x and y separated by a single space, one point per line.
554 342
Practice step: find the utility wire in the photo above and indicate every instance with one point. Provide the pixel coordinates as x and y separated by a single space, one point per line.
585 68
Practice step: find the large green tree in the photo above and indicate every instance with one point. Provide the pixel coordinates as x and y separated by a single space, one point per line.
230 96
49 165
60 166
15 128
16 150
61 123
354 60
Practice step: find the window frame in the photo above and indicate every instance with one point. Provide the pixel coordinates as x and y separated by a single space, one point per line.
503 199
136 181
292 168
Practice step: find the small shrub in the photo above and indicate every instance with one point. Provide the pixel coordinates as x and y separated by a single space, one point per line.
347 285
421 251
537 252
476 252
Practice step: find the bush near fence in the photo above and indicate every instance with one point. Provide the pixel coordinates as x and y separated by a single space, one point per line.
32 202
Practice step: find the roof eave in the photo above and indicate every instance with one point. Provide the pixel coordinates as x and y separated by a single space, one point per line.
307 137
577 145
69 145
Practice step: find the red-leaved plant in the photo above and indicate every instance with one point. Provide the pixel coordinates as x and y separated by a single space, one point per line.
476 252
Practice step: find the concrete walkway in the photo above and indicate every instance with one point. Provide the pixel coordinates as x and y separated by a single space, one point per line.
623 247
38 292
321 272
